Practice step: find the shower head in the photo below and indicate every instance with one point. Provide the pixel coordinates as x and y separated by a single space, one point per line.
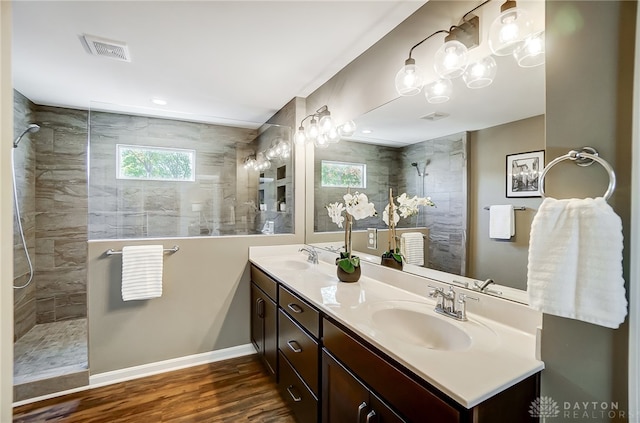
414 164
30 129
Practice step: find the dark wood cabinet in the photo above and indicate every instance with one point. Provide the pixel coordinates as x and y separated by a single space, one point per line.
346 399
327 373
298 343
264 324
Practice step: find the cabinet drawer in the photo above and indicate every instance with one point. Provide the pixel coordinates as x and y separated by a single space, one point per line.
268 285
300 349
307 316
301 400
415 402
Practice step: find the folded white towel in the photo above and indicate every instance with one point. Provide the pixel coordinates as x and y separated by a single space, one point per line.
141 272
575 261
412 248
501 222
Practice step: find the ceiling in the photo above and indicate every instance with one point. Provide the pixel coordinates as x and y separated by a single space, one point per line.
213 61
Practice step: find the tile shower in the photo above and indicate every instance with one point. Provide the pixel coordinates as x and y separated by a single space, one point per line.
60 211
443 179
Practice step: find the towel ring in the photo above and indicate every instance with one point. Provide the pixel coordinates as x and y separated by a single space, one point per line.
585 157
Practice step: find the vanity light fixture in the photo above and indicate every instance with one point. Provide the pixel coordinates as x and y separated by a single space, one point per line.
322 130
510 34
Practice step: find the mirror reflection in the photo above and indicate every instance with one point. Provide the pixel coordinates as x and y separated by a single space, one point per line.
455 153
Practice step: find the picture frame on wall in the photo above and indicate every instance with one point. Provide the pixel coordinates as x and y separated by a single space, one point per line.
523 173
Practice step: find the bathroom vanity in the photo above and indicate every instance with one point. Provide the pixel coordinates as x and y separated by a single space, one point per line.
376 351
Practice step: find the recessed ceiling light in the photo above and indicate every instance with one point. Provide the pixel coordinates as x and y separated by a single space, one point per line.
159 101
367 131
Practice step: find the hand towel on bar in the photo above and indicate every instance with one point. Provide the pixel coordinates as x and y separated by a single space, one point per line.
575 261
412 247
141 272
501 222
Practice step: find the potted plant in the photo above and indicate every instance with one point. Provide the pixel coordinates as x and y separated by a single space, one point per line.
356 206
407 206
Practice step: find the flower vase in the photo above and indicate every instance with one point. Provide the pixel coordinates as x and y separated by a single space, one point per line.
344 276
391 262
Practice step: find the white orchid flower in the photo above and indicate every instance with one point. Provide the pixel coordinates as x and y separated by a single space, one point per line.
385 215
335 213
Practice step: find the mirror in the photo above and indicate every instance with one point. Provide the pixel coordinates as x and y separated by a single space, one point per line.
454 152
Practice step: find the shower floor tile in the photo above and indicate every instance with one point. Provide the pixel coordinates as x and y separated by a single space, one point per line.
51 350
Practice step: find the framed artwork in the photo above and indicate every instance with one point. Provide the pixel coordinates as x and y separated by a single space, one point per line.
523 173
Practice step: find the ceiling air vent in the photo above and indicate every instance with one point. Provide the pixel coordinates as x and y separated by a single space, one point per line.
116 50
435 116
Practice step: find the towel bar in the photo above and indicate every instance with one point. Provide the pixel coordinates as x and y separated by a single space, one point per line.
111 251
514 207
585 157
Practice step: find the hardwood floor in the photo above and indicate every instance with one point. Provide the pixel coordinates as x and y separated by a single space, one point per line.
236 390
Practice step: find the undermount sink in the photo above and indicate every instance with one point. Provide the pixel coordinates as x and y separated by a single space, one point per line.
417 324
421 329
287 263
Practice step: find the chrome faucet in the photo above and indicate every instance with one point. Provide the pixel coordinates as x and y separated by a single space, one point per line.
483 286
313 254
447 305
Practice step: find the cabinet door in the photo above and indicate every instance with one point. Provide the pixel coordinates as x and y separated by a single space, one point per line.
264 332
270 334
257 318
344 398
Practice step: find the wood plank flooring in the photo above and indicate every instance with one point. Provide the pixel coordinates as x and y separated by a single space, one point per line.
236 390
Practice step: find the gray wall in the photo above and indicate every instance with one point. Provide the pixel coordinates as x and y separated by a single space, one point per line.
504 261
52 186
445 181
589 102
61 206
124 209
381 174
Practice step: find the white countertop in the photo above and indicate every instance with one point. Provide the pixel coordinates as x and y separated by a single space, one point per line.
500 355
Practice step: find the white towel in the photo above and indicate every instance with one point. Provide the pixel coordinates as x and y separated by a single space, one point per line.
412 248
141 272
501 222
575 261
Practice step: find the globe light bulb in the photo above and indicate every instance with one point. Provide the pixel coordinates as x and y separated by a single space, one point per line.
509 29
409 79
312 131
532 52
481 73
451 59
300 137
347 129
438 91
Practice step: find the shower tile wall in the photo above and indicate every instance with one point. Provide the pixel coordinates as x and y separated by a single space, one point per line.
24 300
445 182
61 206
381 174
211 205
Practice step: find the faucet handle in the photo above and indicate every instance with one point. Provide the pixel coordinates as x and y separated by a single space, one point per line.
463 297
435 291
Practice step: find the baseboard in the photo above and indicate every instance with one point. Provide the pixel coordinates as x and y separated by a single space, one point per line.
122 375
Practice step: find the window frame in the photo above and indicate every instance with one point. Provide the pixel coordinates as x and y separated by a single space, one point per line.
190 152
362 166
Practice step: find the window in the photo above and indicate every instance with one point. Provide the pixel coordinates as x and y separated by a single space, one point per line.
155 163
342 174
